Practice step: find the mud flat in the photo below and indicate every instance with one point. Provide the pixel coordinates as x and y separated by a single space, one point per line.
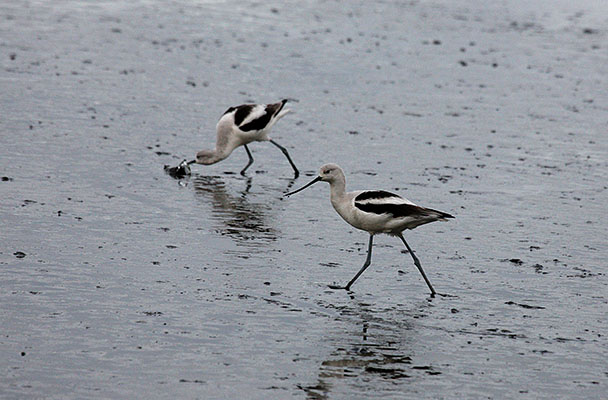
121 282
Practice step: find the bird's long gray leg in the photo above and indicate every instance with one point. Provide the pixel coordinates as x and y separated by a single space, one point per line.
417 263
368 261
250 160
284 150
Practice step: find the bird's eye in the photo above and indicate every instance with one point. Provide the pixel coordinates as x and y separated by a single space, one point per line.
327 171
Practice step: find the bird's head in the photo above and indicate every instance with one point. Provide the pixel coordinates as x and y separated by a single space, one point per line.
330 172
327 173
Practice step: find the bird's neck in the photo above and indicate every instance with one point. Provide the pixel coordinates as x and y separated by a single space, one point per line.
223 150
337 190
221 154
210 157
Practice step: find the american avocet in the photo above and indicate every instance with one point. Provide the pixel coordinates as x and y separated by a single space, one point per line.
375 211
240 126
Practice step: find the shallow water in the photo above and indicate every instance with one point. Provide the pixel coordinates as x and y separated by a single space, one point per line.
120 282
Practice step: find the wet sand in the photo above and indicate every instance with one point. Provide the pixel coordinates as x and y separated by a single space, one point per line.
121 282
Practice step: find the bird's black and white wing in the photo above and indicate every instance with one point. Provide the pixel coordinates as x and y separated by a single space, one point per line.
380 202
254 117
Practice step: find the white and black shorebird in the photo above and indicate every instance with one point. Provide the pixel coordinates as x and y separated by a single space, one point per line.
375 211
240 126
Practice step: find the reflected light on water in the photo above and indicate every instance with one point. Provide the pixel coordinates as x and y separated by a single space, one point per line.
248 223
380 347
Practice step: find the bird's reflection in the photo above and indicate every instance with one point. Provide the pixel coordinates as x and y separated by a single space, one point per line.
290 183
234 215
380 347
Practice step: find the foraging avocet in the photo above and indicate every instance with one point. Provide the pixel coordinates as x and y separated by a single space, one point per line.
375 211
242 125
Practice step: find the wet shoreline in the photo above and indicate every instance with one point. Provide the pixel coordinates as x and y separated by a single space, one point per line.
119 281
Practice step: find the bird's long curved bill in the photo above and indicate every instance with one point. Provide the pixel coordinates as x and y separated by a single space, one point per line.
317 179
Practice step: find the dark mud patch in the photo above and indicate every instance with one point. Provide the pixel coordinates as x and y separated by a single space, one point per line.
388 373
522 305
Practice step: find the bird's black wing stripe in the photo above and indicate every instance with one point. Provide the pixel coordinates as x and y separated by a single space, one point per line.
242 112
258 123
231 109
396 210
374 194
401 210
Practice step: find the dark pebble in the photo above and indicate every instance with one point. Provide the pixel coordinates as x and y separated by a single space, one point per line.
539 268
512 303
19 254
6 179
586 31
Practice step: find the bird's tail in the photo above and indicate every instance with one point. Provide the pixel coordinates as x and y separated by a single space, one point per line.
440 215
281 111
